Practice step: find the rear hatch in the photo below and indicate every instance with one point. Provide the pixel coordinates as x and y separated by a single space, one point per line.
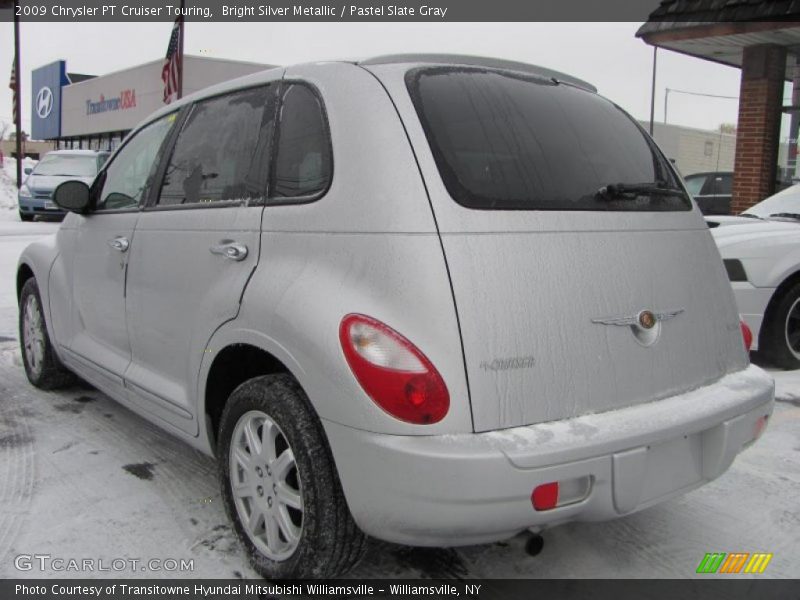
550 273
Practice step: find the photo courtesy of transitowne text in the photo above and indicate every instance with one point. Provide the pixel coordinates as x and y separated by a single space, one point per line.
353 299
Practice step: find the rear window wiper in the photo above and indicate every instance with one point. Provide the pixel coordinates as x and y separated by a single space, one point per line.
614 191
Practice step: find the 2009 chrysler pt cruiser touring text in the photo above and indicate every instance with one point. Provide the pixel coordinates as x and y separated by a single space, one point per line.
437 300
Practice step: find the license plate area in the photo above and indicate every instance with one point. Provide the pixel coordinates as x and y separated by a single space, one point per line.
672 466
645 474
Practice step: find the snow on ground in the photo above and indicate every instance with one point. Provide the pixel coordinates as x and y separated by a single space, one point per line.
14 236
8 179
82 477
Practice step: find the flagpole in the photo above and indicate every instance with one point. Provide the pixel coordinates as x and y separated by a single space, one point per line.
18 95
180 51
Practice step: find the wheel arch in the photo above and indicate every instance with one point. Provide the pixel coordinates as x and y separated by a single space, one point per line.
24 272
788 283
231 358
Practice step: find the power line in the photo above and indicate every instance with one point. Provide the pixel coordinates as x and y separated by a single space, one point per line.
702 94
667 92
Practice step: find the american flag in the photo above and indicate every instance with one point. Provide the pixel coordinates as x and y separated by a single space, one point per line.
170 72
13 85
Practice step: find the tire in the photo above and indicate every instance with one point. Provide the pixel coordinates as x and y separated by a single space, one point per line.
781 330
25 217
41 363
318 540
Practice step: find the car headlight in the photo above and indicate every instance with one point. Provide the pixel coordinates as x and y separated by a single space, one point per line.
735 269
24 191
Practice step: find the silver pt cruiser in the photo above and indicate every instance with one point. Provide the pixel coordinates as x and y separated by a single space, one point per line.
437 300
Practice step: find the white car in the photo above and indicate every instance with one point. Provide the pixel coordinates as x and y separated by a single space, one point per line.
785 202
762 258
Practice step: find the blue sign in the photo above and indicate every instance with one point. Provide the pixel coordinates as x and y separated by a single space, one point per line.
46 83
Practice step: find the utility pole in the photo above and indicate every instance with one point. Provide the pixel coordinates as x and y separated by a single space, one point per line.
653 92
18 95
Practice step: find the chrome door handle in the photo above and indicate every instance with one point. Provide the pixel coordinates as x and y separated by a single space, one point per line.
119 243
230 249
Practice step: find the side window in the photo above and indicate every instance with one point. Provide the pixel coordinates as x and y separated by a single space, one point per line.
708 188
221 153
129 176
303 160
723 184
694 183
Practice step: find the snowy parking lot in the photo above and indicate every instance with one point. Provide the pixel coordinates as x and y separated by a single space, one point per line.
82 477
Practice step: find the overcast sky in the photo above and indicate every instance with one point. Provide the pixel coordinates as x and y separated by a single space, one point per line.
605 54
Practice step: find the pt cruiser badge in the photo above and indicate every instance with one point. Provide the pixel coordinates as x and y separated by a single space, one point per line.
646 324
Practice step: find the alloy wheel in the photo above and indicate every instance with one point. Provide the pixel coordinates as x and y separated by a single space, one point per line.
792 329
33 340
265 485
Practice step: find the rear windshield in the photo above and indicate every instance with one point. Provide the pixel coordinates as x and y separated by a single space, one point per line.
68 165
503 140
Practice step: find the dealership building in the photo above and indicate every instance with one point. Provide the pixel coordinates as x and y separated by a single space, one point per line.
96 112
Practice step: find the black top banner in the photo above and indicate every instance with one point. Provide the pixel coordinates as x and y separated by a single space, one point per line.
339 10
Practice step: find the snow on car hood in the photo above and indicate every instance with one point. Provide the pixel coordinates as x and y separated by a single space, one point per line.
725 220
757 233
47 183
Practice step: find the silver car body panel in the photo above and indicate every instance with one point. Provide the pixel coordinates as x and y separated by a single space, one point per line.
527 288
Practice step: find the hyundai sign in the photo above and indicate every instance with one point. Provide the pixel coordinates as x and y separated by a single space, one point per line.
46 85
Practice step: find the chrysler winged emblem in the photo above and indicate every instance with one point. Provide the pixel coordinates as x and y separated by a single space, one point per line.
645 325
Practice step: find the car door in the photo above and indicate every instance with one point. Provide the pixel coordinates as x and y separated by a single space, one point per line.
715 196
103 238
722 192
196 247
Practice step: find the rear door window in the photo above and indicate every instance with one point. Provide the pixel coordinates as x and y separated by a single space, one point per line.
222 151
504 140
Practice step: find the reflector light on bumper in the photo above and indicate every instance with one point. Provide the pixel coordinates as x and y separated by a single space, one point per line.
560 493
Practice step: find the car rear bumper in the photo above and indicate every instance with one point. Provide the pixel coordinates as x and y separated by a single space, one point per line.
476 488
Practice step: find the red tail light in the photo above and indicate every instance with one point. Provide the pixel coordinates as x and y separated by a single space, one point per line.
393 372
747 335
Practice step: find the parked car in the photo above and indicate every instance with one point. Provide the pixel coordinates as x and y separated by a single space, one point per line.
36 194
762 257
383 297
712 191
786 201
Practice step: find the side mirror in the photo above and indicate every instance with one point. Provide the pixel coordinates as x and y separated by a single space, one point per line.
28 170
72 196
